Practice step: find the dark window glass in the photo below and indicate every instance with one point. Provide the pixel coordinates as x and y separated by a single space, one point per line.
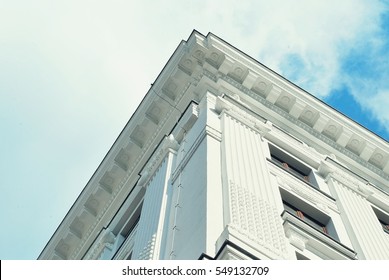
383 218
385 226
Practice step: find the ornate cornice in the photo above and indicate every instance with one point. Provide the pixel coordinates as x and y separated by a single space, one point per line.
169 144
323 138
222 106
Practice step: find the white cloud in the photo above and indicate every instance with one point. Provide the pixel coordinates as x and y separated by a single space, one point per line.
312 42
378 105
319 34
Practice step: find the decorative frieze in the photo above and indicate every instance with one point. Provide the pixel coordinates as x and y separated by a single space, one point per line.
148 251
255 123
329 135
256 219
315 197
330 169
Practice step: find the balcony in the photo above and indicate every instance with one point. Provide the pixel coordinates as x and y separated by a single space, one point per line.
306 236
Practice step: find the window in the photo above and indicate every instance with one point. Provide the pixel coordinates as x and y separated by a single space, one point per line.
127 234
383 219
308 228
309 214
385 226
292 166
129 257
305 217
301 257
130 226
292 169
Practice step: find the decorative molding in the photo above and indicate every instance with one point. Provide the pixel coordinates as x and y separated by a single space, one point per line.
246 118
148 250
340 174
256 219
305 126
210 75
186 122
350 182
290 137
296 147
308 237
295 238
304 191
325 169
224 107
169 144
107 240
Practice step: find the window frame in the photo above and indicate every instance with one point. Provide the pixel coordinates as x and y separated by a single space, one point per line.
383 219
315 214
293 166
326 243
301 257
305 217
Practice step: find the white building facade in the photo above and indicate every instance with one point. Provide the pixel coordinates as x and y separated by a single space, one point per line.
226 159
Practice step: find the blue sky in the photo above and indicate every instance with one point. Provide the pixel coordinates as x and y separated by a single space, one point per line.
72 73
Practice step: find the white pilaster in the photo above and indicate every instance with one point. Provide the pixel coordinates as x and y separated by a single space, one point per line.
156 181
250 200
364 230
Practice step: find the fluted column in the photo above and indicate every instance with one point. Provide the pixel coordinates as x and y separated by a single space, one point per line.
362 225
155 179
